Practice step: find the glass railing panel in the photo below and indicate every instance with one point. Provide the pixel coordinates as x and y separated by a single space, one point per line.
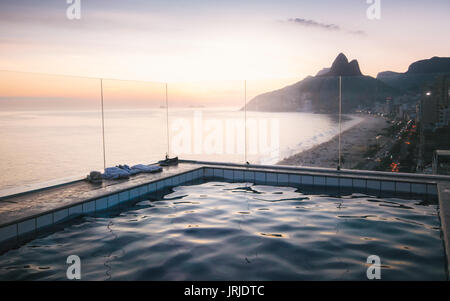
286 127
207 120
50 128
348 122
135 122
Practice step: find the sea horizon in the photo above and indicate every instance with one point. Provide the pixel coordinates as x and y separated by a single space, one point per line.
45 145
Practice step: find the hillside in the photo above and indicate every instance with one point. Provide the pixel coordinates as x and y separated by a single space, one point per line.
419 75
320 93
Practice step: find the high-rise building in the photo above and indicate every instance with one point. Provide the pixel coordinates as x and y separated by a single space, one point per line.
434 104
434 110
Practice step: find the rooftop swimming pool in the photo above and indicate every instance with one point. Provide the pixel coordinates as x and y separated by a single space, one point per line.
241 231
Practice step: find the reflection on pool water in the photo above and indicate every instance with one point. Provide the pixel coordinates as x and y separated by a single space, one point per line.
242 231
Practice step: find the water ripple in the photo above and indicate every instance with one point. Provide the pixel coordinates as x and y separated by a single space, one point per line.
241 231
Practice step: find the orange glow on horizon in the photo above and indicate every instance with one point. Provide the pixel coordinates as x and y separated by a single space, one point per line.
54 88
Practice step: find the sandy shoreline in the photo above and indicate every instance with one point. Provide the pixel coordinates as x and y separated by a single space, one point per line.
354 142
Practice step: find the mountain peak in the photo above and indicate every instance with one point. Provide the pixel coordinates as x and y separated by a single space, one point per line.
342 67
341 58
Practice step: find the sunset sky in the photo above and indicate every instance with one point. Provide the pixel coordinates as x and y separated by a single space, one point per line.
197 40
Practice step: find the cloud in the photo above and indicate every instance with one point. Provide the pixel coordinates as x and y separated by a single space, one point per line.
324 26
312 23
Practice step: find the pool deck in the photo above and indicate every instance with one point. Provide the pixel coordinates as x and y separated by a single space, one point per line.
20 207
23 205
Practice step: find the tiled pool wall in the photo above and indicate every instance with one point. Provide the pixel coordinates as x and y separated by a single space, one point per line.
370 185
34 224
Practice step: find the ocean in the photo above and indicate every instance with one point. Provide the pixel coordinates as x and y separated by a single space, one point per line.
43 145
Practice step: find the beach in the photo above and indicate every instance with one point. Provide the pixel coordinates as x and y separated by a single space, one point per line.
355 144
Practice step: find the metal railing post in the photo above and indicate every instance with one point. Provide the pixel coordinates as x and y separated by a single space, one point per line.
103 124
245 118
340 124
167 121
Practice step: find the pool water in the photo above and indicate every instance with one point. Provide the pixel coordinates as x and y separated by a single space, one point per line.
241 231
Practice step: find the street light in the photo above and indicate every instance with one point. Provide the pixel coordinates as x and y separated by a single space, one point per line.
428 93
